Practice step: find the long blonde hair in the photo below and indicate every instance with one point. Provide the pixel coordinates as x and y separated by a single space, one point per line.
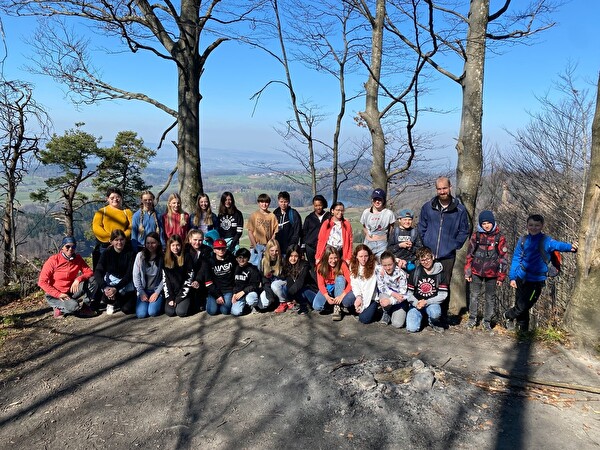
170 213
266 265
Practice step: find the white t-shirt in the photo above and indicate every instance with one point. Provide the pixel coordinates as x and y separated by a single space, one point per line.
377 223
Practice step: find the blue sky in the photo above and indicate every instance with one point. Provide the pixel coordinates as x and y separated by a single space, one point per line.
233 74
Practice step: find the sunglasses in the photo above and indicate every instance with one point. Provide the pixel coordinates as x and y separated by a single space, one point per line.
69 247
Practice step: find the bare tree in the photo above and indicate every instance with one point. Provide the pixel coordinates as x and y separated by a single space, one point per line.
466 37
170 31
324 36
582 318
394 80
23 122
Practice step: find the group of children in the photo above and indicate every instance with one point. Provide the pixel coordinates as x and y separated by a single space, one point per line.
390 277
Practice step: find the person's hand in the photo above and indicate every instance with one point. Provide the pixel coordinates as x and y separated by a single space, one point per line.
338 299
574 246
469 279
153 297
384 302
195 284
220 301
110 292
421 304
358 304
401 263
237 296
172 303
398 296
75 286
330 299
498 283
64 297
513 284
144 297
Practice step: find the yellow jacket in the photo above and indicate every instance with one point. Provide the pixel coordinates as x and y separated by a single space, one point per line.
108 219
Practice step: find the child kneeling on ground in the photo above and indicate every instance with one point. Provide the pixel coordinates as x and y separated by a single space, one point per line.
427 289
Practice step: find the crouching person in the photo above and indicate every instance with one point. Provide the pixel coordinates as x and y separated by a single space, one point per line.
427 289
246 285
66 279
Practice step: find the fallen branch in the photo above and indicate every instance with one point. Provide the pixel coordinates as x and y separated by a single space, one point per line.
576 387
343 363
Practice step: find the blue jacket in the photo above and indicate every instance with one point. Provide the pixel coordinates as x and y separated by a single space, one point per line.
527 262
151 222
443 230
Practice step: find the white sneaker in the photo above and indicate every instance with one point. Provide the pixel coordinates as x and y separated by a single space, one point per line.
110 309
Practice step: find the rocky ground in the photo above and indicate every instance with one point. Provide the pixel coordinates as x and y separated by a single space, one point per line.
269 381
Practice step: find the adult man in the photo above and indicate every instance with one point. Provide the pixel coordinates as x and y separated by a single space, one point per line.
290 223
444 225
66 278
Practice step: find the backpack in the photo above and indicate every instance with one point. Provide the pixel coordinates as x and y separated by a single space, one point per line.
486 261
553 265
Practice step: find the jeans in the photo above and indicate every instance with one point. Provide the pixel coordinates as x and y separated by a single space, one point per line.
489 288
278 289
256 254
213 308
414 317
304 297
250 299
335 290
378 247
368 315
145 309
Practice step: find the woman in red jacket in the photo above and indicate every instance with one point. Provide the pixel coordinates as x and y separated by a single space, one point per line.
333 279
336 232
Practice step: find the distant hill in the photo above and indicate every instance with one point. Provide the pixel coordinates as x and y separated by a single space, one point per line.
224 161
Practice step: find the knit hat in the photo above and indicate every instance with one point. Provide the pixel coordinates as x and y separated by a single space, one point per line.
406 214
220 243
378 193
68 240
487 216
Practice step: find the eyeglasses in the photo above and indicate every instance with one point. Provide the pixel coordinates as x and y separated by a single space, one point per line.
427 259
69 247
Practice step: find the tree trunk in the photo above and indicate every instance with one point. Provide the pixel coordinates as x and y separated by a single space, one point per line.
582 318
470 146
189 69
372 115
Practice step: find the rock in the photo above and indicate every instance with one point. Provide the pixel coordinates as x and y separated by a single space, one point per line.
423 381
417 364
397 376
367 382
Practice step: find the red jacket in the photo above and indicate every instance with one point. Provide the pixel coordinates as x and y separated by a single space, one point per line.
323 282
487 258
347 238
58 274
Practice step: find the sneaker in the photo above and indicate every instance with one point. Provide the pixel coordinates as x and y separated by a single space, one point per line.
324 311
283 306
303 310
471 323
86 311
58 314
110 309
337 313
509 324
385 318
344 309
435 326
486 326
293 306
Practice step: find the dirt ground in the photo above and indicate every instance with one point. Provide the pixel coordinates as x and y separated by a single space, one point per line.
267 381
